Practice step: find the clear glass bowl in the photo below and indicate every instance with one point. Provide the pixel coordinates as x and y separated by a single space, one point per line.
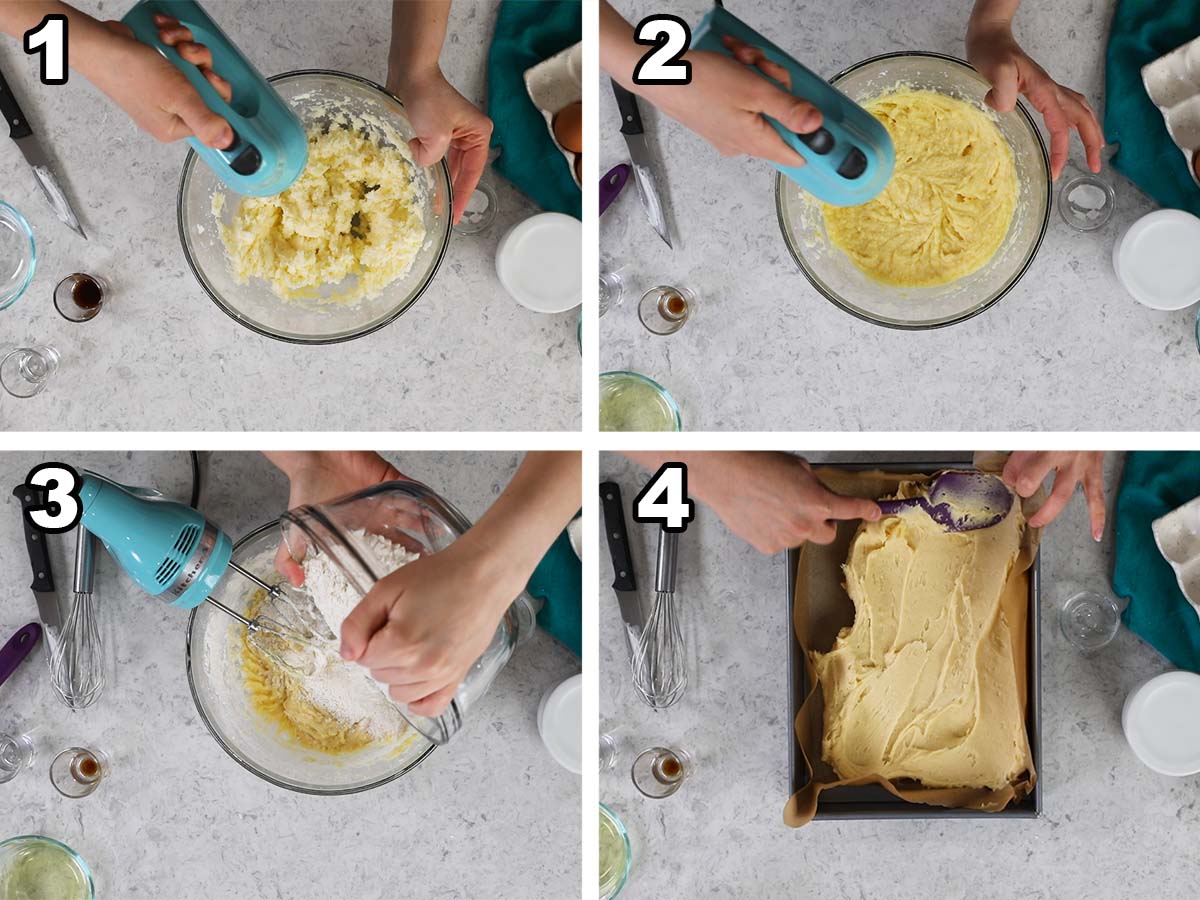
615 872
216 680
633 402
844 284
78 874
18 255
412 515
312 94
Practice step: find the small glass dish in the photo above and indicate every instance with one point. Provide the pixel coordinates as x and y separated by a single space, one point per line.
664 309
616 856
77 771
18 255
1089 621
25 371
633 402
32 865
79 297
481 211
1086 202
658 772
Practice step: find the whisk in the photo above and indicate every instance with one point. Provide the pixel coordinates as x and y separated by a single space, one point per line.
659 660
77 656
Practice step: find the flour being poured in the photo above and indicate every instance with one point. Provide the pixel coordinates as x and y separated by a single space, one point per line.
346 690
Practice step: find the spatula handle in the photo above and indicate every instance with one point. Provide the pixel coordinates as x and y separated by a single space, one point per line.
19 646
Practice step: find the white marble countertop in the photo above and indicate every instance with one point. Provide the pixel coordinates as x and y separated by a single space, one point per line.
490 815
1111 828
164 357
1066 349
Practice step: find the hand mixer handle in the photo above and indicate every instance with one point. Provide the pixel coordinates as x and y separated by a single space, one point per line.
270 147
850 158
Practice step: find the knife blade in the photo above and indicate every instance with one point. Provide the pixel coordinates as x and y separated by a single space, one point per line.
39 559
624 580
24 138
644 173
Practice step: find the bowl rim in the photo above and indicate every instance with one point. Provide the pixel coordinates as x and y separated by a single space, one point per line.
247 764
189 163
71 851
658 387
606 810
974 311
18 216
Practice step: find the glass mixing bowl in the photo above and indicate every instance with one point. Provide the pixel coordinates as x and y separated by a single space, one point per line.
840 281
18 255
32 865
215 676
313 94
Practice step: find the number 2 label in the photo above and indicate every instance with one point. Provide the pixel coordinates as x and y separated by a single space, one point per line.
49 41
670 37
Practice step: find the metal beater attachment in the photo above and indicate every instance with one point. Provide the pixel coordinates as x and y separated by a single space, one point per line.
288 630
659 659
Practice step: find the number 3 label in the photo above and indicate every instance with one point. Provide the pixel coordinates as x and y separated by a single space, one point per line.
670 37
664 500
60 509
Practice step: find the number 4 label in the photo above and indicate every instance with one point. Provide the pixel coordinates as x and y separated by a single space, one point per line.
664 500
670 37
49 41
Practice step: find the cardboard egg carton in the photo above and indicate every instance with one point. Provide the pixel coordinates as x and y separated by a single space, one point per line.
1177 535
554 83
1173 84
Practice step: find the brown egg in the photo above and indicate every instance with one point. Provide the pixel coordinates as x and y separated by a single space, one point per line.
568 127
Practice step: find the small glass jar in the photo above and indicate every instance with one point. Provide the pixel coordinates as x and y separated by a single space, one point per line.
412 515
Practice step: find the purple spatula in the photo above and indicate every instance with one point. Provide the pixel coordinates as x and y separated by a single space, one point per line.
959 501
17 648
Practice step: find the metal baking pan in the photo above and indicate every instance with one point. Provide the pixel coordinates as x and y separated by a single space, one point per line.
872 801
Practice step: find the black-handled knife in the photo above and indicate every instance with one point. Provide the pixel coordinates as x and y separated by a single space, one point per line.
631 116
39 560
643 163
18 127
624 580
23 136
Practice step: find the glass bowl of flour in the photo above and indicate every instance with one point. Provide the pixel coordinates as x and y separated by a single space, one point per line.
349 736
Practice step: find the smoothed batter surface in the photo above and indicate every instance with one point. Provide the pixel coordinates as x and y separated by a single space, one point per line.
947 208
354 211
923 685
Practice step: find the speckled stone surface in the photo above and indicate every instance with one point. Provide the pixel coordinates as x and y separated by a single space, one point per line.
164 357
492 815
1066 349
1111 828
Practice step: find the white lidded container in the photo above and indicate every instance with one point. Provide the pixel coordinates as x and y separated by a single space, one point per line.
1161 720
1157 259
540 262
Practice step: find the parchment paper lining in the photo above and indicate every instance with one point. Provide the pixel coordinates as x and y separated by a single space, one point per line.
821 607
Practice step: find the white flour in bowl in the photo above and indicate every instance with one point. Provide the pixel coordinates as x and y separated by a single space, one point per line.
343 689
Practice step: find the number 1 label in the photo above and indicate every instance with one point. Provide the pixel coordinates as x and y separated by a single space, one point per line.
49 41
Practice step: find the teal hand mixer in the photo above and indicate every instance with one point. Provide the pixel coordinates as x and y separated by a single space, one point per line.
173 552
270 147
849 159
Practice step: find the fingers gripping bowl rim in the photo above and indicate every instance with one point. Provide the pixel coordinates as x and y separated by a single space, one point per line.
313 94
837 279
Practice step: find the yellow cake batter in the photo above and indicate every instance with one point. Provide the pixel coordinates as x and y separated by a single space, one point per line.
354 211
278 697
950 200
923 685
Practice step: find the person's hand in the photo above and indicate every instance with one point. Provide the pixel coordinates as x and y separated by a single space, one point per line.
422 627
1026 470
726 99
315 477
156 95
446 125
992 49
772 501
